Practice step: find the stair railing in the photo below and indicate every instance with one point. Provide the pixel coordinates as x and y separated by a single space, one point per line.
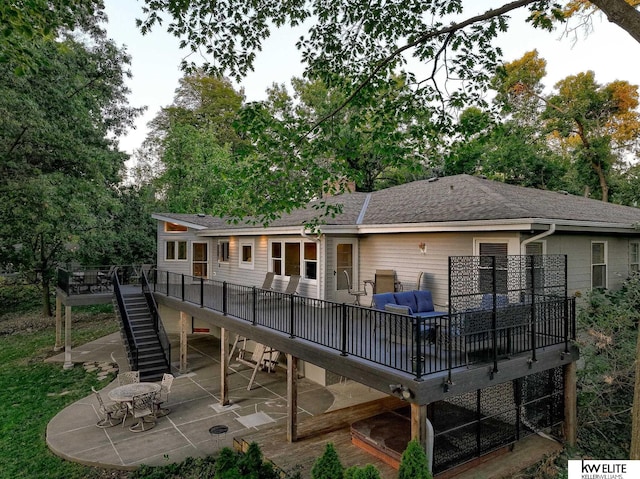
126 323
157 324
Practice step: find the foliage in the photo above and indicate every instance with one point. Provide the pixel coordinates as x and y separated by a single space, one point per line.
414 463
16 296
328 465
608 325
27 384
58 160
23 23
129 234
367 472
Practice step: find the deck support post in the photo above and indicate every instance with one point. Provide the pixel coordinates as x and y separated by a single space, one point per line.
58 346
184 320
419 423
68 364
292 398
224 366
570 404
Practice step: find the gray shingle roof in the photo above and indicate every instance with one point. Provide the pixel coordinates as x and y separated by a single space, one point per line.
451 199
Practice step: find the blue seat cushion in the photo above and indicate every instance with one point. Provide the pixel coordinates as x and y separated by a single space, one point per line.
430 314
424 300
380 299
407 298
502 300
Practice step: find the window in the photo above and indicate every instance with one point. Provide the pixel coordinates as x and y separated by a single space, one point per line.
291 259
174 227
294 257
176 251
310 260
598 264
634 258
223 251
200 260
246 254
536 249
489 251
276 258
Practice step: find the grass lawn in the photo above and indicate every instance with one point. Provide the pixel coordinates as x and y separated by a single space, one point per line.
32 392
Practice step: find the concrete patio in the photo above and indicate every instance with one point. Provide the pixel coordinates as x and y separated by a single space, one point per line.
257 415
195 408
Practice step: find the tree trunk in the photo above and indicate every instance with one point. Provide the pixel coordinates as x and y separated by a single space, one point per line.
47 311
622 14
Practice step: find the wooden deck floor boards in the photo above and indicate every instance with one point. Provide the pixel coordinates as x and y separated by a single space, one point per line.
316 432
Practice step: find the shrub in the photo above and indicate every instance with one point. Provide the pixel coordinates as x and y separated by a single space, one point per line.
414 463
328 465
608 329
367 472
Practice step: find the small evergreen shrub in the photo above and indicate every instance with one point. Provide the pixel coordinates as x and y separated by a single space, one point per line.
367 472
328 465
414 463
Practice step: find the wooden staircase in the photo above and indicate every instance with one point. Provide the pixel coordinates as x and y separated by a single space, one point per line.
151 361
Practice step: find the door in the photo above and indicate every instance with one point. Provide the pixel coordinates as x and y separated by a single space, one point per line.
345 260
200 263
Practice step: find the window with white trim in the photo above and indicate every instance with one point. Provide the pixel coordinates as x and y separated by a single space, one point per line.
598 264
175 251
310 261
174 228
634 257
200 261
490 253
223 251
246 253
535 248
287 258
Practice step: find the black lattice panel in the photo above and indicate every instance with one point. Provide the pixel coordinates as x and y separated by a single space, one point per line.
472 424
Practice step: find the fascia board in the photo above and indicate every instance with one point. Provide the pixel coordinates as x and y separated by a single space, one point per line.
168 219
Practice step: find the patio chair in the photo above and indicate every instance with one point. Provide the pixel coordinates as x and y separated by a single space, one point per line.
268 281
356 293
292 287
113 413
163 396
267 286
262 357
143 409
128 377
386 281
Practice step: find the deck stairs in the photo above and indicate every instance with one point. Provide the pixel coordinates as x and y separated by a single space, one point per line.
151 361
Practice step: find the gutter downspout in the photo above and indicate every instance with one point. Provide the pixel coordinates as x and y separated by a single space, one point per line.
315 238
549 232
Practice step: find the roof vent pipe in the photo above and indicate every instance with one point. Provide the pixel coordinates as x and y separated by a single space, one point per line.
549 232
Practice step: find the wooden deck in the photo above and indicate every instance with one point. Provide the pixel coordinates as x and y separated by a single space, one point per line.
316 432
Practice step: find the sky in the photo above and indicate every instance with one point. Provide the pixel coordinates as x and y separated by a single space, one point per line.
609 51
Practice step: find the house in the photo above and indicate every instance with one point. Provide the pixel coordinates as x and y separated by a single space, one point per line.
411 228
513 376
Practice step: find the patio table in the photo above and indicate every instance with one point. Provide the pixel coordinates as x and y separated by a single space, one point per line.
126 392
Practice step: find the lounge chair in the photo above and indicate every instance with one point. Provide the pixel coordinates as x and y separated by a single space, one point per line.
262 357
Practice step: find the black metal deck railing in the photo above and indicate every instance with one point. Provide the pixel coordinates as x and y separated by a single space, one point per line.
417 346
80 280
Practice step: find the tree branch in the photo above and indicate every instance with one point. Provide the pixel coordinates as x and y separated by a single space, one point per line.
421 39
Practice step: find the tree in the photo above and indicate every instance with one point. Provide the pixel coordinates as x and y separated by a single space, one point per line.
328 465
58 164
596 126
367 472
381 132
414 464
357 46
